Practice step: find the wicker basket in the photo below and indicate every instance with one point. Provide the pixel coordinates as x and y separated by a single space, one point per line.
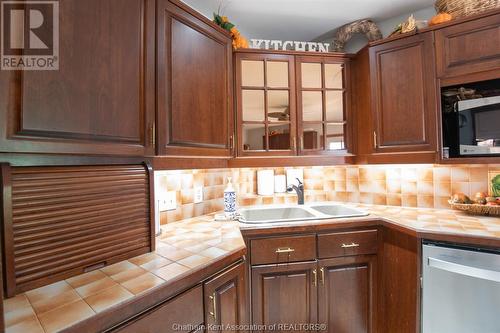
462 8
477 209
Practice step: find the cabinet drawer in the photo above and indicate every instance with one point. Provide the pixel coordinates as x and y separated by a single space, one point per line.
347 243
184 310
283 249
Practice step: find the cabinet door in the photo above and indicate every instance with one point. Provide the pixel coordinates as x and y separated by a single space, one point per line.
194 83
225 300
284 294
404 95
266 104
468 47
346 294
101 99
322 101
181 314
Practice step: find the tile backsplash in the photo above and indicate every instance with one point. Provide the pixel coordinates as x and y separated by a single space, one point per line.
428 186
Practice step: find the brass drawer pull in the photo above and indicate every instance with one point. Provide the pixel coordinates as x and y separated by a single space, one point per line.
346 246
214 305
322 277
315 278
284 250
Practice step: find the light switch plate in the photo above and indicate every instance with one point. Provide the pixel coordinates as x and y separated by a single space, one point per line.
198 194
168 202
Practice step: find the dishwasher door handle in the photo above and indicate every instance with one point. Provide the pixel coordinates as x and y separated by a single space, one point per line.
480 273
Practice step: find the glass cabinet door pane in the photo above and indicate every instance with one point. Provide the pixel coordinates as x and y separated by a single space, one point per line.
312 106
254 137
253 105
277 105
311 75
334 76
279 136
335 106
335 137
277 74
252 73
312 137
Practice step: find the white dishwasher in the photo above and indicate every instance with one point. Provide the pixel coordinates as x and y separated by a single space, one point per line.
460 289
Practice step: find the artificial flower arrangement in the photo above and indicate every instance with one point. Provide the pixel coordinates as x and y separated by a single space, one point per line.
238 40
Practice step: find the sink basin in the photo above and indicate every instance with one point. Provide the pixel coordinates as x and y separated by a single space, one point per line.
338 210
266 215
285 213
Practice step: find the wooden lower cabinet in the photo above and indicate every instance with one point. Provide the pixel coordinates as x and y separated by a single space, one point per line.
346 294
336 294
215 305
181 314
225 300
284 294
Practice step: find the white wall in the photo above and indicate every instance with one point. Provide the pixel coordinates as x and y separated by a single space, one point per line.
386 27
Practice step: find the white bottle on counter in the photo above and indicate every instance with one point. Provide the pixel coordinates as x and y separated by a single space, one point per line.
229 200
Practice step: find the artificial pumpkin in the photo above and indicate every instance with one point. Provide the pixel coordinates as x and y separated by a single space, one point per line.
440 18
238 40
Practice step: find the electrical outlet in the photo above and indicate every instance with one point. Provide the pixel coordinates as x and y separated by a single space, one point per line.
198 194
168 202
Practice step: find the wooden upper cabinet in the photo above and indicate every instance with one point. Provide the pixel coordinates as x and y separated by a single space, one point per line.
194 83
468 47
225 300
404 102
266 115
101 99
292 104
323 104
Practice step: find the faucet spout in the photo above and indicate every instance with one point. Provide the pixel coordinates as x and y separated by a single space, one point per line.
299 190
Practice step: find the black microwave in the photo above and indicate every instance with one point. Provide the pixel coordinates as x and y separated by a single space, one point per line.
471 128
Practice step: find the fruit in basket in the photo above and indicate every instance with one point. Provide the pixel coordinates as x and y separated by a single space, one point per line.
460 198
480 198
492 203
491 199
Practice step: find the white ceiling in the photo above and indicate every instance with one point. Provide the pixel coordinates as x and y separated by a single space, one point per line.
302 20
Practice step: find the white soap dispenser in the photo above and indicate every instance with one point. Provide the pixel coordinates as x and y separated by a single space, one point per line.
229 200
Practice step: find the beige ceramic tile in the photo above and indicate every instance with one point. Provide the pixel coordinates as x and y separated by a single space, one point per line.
194 261
142 283
118 267
425 188
107 298
442 189
85 278
128 274
212 252
17 309
459 174
30 325
48 291
155 263
65 316
442 174
96 286
170 271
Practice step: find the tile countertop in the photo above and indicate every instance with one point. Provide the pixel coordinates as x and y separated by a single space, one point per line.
183 249
428 223
190 246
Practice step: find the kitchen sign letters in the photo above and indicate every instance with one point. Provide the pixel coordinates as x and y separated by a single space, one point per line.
289 45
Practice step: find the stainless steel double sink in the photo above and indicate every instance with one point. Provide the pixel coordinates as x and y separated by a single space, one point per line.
294 213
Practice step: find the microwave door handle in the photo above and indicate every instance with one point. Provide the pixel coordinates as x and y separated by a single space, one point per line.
480 273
